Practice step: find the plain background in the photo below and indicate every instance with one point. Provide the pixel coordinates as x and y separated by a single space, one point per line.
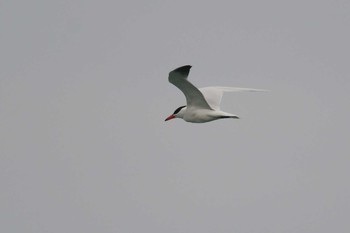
84 94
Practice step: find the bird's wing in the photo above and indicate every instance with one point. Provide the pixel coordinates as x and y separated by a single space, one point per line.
194 97
213 95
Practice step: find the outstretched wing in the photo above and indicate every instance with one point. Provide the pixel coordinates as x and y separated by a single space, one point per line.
213 95
194 97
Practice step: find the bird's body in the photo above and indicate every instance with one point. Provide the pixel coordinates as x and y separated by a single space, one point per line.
203 104
196 115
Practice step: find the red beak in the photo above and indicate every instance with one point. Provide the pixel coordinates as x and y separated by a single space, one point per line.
172 116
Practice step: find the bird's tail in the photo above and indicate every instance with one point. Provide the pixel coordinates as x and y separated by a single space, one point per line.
233 116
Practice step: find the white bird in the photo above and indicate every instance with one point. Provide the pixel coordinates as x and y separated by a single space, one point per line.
203 104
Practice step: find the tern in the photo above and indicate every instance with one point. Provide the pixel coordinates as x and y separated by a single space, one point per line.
203 104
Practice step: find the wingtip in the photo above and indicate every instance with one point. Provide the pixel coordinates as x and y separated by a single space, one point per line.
183 69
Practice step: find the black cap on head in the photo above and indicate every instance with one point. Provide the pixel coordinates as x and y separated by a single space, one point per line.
178 109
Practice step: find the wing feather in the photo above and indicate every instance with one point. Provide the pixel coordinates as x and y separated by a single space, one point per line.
194 97
213 95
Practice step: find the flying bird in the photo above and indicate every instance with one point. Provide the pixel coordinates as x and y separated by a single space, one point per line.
203 104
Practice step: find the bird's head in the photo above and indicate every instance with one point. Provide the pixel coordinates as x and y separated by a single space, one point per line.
178 113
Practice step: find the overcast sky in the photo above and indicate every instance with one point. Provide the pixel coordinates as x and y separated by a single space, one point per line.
84 94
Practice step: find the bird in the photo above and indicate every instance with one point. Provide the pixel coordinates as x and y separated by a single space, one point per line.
202 104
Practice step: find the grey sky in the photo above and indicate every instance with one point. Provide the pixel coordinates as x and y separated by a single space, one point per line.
84 94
